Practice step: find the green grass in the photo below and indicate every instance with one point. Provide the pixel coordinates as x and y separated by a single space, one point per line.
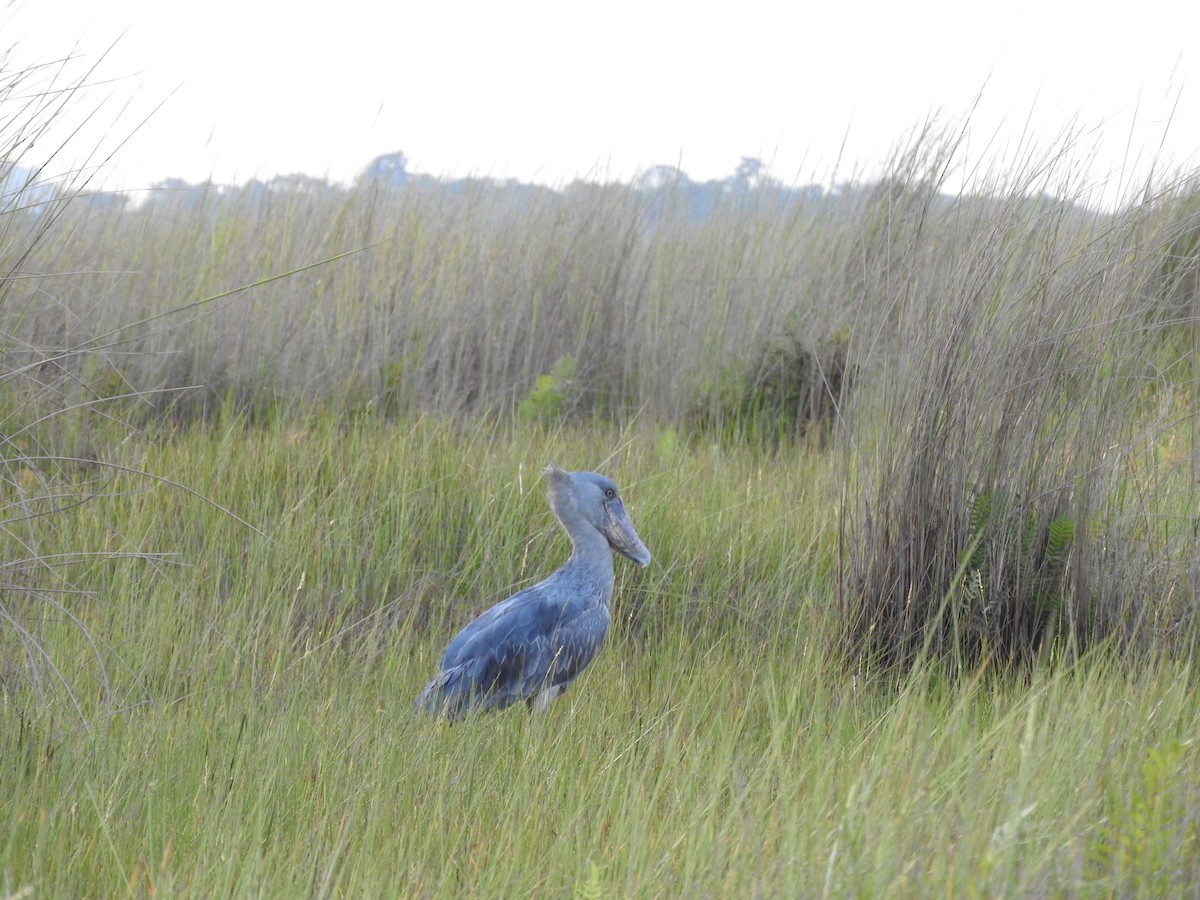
252 731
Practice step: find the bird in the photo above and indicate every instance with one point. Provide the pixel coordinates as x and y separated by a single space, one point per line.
531 646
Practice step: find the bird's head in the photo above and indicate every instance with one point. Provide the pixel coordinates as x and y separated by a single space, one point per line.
593 498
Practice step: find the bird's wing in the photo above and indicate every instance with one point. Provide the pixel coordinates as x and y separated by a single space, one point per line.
528 642
522 616
574 644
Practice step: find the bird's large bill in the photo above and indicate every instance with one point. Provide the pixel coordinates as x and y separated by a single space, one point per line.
623 538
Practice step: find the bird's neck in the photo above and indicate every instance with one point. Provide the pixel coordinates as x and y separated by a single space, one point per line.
591 563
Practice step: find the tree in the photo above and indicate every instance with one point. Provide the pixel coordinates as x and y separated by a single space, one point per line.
390 169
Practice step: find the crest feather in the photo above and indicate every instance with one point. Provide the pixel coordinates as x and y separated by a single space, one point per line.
561 487
556 474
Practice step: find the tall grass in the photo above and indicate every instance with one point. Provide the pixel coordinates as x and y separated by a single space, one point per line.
454 298
718 745
40 478
1026 395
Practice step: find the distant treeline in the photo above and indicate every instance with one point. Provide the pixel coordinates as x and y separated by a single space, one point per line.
666 188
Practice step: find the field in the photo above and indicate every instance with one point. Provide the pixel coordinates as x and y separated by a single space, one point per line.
917 469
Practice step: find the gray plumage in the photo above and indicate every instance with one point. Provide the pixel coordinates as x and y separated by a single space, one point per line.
533 645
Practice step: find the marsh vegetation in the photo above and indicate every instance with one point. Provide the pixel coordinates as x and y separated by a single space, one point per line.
917 469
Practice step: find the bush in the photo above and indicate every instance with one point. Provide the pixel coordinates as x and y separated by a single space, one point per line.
788 392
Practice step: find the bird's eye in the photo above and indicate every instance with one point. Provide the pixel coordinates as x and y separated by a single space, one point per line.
610 493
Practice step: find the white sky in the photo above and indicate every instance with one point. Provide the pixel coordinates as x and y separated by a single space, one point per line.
547 91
